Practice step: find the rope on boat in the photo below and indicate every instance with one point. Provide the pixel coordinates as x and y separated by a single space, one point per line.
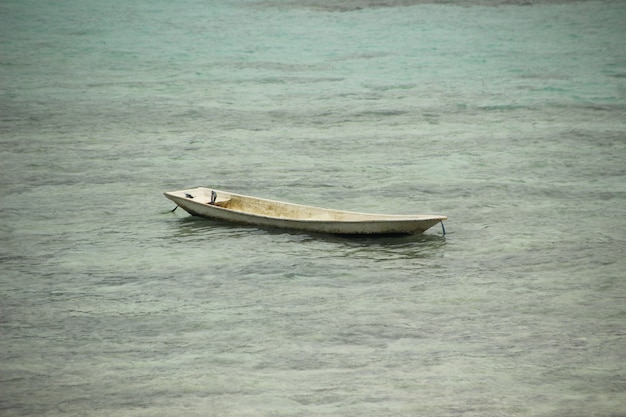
186 195
443 228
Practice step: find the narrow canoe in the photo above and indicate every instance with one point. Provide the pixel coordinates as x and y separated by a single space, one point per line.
242 209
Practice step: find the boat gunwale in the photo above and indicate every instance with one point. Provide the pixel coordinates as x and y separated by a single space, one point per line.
369 217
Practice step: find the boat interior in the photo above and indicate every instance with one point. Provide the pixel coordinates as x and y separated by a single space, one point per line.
270 208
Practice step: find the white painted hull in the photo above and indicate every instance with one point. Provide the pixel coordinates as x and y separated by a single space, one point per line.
254 211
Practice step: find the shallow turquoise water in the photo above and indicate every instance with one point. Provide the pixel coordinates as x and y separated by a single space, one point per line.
510 120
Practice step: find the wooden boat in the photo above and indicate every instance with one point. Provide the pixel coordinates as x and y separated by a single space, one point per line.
237 208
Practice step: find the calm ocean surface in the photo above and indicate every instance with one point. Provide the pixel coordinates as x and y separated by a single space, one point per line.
508 117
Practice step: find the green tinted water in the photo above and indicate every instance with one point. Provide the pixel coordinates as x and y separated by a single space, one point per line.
509 120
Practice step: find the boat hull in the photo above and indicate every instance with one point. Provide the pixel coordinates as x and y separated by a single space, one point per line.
236 208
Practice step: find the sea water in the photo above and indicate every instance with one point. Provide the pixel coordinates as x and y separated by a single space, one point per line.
508 117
